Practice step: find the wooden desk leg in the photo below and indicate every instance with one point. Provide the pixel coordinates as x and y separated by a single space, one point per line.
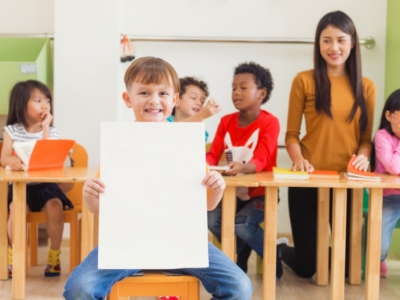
270 234
228 240
323 237
356 236
87 238
19 240
3 231
338 243
373 244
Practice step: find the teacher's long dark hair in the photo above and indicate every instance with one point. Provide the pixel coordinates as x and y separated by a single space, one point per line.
343 22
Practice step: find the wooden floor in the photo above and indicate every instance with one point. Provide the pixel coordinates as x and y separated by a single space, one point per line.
289 287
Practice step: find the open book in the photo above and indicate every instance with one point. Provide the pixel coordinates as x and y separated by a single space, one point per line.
43 154
219 168
354 174
282 173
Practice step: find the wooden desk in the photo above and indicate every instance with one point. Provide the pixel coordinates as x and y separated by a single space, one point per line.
338 229
374 232
19 180
228 239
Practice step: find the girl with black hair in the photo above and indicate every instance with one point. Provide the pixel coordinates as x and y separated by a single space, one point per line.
386 159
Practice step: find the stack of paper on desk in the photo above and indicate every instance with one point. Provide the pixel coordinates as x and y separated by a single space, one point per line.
322 174
354 174
282 173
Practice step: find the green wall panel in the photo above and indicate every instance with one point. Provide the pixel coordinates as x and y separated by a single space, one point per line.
15 53
392 74
392 69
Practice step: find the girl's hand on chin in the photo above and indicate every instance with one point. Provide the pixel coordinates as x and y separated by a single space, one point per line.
46 119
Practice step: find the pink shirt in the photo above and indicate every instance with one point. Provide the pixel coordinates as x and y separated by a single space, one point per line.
387 156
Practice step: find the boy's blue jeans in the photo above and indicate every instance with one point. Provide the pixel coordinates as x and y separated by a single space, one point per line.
390 216
247 224
223 279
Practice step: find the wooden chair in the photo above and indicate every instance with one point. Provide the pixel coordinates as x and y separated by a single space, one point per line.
79 158
156 284
222 159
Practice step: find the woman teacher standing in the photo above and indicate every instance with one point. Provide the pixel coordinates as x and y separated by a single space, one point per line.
338 106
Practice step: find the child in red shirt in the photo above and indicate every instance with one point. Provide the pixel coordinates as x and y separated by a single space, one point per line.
249 139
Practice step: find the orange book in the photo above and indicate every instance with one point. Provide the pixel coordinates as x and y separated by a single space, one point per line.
331 174
43 154
354 174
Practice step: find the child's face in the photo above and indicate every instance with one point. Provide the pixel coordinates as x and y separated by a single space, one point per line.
150 102
394 120
191 102
37 104
245 92
392 117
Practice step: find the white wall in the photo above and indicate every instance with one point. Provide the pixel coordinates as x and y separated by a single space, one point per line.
88 77
86 65
214 62
21 16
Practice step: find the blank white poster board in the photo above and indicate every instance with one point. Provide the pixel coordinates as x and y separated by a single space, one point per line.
153 213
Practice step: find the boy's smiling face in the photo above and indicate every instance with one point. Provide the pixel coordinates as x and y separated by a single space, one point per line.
150 102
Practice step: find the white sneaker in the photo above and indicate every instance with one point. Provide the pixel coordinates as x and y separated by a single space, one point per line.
282 240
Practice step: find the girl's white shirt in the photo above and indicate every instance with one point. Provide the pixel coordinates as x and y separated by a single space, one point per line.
18 133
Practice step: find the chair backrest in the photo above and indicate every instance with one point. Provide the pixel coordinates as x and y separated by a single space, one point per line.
222 158
79 159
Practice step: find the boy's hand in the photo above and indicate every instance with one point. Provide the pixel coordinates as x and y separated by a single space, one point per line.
91 193
215 185
235 168
15 164
302 165
210 109
214 182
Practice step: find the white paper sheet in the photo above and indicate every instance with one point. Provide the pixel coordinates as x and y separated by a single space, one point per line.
153 214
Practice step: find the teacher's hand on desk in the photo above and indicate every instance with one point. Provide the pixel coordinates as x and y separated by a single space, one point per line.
361 162
302 165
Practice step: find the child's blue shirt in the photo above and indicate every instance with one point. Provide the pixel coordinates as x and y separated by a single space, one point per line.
171 119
